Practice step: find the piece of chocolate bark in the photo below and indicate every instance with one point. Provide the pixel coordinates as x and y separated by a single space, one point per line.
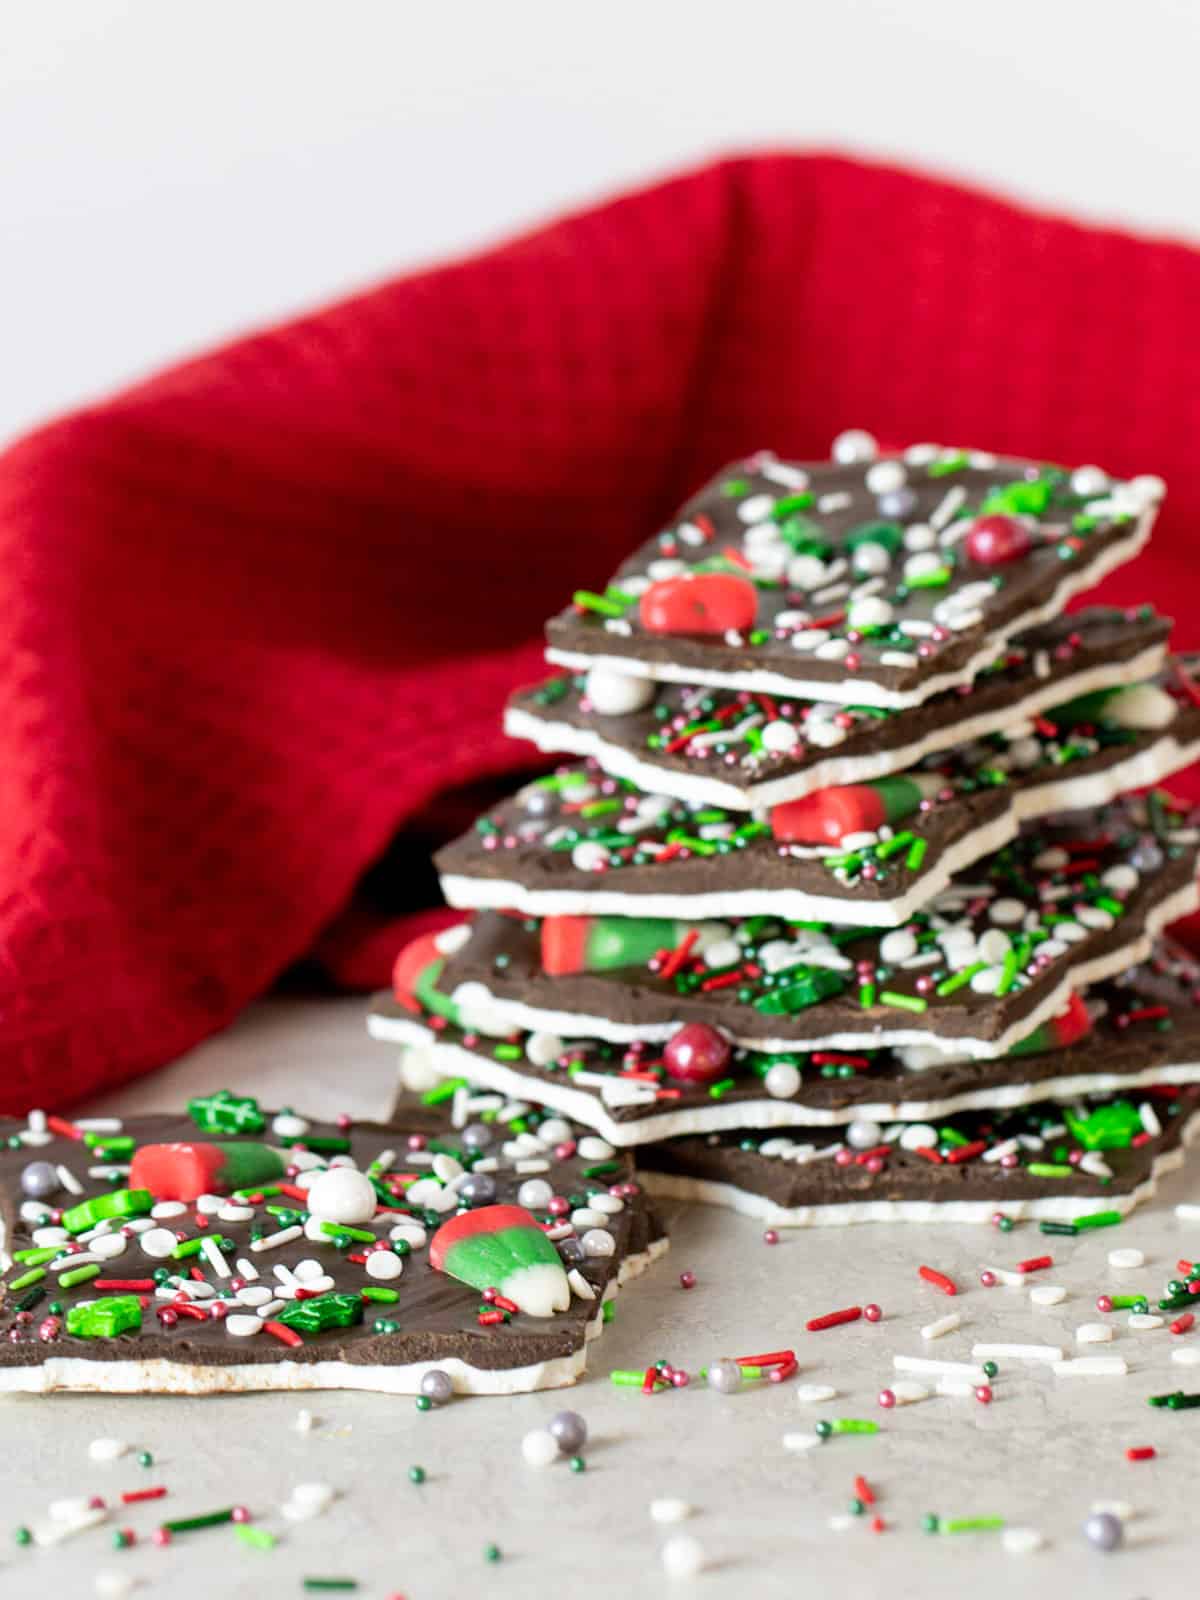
1070 901
1140 1028
1093 1158
230 1249
865 581
580 843
731 748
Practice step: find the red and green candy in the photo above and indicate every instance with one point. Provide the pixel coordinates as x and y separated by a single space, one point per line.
502 1248
186 1171
829 815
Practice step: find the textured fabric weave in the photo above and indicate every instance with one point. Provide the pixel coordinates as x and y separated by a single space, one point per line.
265 607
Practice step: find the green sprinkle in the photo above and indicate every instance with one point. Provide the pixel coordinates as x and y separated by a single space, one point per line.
866 996
972 1524
507 1052
446 1090
626 1379
1049 1169
384 1296
904 1002
1065 1229
894 845
959 980
1098 1219
853 1425
718 1090
207 1519
78 1275
416 1474
602 1169
30 1258
339 1230
587 601
491 1552
424 1403
35 1275
326 1585
578 1464
945 465
22 1536
256 1538
145 1459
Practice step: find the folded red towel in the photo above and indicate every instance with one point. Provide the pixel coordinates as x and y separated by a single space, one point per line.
263 608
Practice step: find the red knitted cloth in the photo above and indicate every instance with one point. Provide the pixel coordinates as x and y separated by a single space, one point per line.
264 608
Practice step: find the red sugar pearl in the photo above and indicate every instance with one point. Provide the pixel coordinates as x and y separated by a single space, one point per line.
987 1279
770 1236
984 1394
872 1313
687 1280
887 1399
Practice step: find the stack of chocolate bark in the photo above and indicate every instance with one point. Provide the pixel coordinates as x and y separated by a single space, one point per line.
851 905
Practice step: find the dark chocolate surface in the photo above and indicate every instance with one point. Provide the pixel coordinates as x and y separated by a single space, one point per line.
503 954
435 1316
1099 637
752 519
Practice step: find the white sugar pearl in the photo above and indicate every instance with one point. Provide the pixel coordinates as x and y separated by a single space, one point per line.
598 1242
241 1325
870 612
1126 1260
1088 482
384 1265
1006 912
588 856
682 1557
782 1080
342 1195
897 947
535 1194
543 1048
806 572
725 953
158 1242
617 694
853 446
593 1148
669 1510
885 477
287 1125
1149 486
871 559
539 1447
863 1135
107 1449
780 736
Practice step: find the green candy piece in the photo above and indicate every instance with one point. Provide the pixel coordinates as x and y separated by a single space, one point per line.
808 987
107 1208
1020 499
224 1112
1111 1127
105 1319
322 1312
889 534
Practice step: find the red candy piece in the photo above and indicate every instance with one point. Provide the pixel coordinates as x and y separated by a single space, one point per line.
698 1053
997 539
704 602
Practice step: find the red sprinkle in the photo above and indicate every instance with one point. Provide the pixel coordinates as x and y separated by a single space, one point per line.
939 1280
504 1304
649 1380
928 1153
877 1524
680 953
773 1358
864 1491
132 1496
133 1285
834 1319
285 1335
1183 1323
1035 1264
966 1152
65 1129
1141 1452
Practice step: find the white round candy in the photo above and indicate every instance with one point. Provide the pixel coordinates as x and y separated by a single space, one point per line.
342 1195
588 856
683 1556
535 1194
1121 879
166 1209
854 445
782 1081
307 1270
412 1233
587 1217
724 953
539 1448
593 1148
919 1136
543 1048
446 1167
897 946
994 945
755 507
780 736
871 612
242 1325
617 694
885 477
158 1242
669 1510
1126 1260
611 1205
287 1125
806 572
871 559
1142 706
1047 1294
1087 482
255 1294
1006 912
863 1134
1149 486
987 981
598 1242
920 536
107 1449
555 1130
922 564
384 1264
108 1246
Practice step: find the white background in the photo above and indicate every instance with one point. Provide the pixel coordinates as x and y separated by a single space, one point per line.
173 173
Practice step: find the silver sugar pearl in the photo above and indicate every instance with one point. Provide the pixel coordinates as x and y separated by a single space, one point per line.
436 1385
724 1375
476 1136
479 1189
898 504
1104 1530
39 1180
569 1431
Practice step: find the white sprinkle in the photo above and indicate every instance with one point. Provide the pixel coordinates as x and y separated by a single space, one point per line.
949 1369
68 1180
1021 1541
957 1388
305 1421
908 1393
669 1510
210 1252
241 1325
273 1240
1093 1333
107 1449
539 1448
682 1556
1017 1352
1150 1121
1113 1508
949 504
246 1269
1011 1280
1047 1294
579 1285
1126 1260
1091 1367
384 1265
814 1394
943 1325
63 1263
50 1533
801 1441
